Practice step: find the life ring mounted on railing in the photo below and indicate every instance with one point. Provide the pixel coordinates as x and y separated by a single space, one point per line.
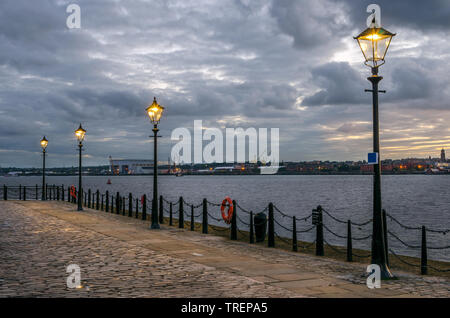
73 192
227 216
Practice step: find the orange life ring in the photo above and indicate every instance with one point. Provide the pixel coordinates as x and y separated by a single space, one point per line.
73 192
227 217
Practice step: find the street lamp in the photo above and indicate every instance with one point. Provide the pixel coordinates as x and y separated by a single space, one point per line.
154 112
374 43
44 143
79 133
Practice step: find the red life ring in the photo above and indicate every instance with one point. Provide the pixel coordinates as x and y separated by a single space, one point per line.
142 200
227 217
73 192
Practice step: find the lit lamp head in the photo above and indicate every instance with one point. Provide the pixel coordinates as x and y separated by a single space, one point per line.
79 133
44 143
374 43
154 112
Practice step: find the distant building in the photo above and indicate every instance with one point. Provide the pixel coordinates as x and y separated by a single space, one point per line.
443 155
131 166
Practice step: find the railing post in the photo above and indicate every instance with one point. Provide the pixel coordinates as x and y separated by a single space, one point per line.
424 258
37 192
5 192
251 230
89 198
97 200
144 207
20 192
62 192
233 234
161 210
57 193
349 242
181 214
117 202
107 201
205 217
102 205
383 214
192 218
46 191
170 214
319 232
271 238
294 234
137 208
130 205
24 193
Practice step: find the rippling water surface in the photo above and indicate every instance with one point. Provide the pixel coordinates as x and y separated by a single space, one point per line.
415 200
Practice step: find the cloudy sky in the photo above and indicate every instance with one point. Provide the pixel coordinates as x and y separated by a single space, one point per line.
291 64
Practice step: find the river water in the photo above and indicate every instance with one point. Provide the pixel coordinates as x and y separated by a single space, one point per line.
414 200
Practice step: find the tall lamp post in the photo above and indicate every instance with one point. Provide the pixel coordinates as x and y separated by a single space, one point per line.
79 133
154 112
374 43
44 143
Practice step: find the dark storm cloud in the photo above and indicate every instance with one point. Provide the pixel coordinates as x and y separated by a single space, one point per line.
283 63
420 15
339 83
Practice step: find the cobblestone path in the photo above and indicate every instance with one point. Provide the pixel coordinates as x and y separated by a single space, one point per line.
121 257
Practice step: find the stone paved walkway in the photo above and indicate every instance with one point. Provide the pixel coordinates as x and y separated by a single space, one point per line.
121 257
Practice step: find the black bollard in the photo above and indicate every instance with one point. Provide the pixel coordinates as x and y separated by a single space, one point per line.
89 198
36 191
144 207
319 232
130 205
383 215
233 234
161 210
97 203
181 214
107 202
252 234
5 192
117 202
20 192
205 217
424 258
170 214
294 235
24 193
57 193
192 218
102 206
137 208
271 239
349 242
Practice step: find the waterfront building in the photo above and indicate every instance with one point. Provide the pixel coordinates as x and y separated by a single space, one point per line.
443 155
131 166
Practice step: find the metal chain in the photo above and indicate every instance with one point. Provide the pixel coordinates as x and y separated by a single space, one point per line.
333 248
326 228
406 244
403 261
243 210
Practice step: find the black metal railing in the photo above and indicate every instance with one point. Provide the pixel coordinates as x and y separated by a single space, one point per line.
198 216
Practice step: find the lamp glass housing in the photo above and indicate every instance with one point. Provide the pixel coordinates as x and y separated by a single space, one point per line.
374 43
155 112
79 133
44 143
